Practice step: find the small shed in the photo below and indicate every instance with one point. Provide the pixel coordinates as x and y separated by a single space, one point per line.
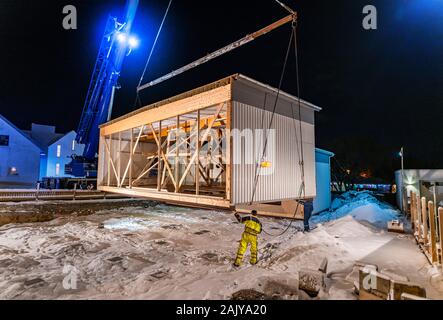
323 180
204 147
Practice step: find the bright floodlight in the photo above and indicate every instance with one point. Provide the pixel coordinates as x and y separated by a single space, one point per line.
121 37
133 42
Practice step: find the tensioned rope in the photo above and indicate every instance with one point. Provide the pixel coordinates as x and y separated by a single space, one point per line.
300 150
137 99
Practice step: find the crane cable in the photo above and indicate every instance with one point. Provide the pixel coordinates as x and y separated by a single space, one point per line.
138 101
302 191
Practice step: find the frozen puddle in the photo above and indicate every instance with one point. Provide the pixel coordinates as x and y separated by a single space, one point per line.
139 219
130 224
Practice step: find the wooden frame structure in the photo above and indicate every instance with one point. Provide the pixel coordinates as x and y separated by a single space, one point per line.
180 150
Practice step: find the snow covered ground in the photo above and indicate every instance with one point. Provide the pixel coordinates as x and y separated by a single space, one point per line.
166 252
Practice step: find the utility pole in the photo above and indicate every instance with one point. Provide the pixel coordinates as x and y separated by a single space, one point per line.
403 187
402 161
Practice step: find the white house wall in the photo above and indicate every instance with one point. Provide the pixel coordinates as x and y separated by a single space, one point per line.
22 154
282 181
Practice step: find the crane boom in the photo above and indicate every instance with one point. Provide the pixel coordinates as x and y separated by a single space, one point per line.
104 80
97 109
251 37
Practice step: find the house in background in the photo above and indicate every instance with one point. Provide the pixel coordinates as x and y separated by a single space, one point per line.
59 154
56 149
414 180
19 157
26 156
323 180
43 136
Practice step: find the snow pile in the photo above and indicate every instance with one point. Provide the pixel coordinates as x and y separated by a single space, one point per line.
362 206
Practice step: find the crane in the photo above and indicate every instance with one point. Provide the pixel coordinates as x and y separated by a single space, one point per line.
116 44
292 17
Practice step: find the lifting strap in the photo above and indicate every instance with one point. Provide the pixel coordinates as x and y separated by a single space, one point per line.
300 149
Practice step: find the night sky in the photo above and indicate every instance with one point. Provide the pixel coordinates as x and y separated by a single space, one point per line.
379 90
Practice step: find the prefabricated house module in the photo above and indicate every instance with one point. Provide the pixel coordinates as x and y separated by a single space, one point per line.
220 145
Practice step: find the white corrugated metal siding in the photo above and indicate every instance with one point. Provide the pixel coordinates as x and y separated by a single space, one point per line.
282 181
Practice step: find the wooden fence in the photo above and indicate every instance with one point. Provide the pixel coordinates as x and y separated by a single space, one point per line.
43 194
427 224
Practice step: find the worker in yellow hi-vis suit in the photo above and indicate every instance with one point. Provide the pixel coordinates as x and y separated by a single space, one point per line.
253 228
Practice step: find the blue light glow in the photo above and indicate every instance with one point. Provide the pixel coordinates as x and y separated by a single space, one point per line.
121 37
133 42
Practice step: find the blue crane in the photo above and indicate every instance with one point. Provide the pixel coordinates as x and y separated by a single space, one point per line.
116 44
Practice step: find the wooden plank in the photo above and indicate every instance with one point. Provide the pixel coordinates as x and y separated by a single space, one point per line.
440 222
162 196
177 155
109 162
229 153
434 254
131 155
197 165
400 287
375 284
119 155
419 218
270 210
132 150
144 173
166 163
413 212
411 297
203 174
187 105
163 180
424 212
241 42
112 162
101 162
149 164
396 226
219 123
204 138
159 168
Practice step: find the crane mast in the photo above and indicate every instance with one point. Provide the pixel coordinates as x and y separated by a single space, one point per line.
97 109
